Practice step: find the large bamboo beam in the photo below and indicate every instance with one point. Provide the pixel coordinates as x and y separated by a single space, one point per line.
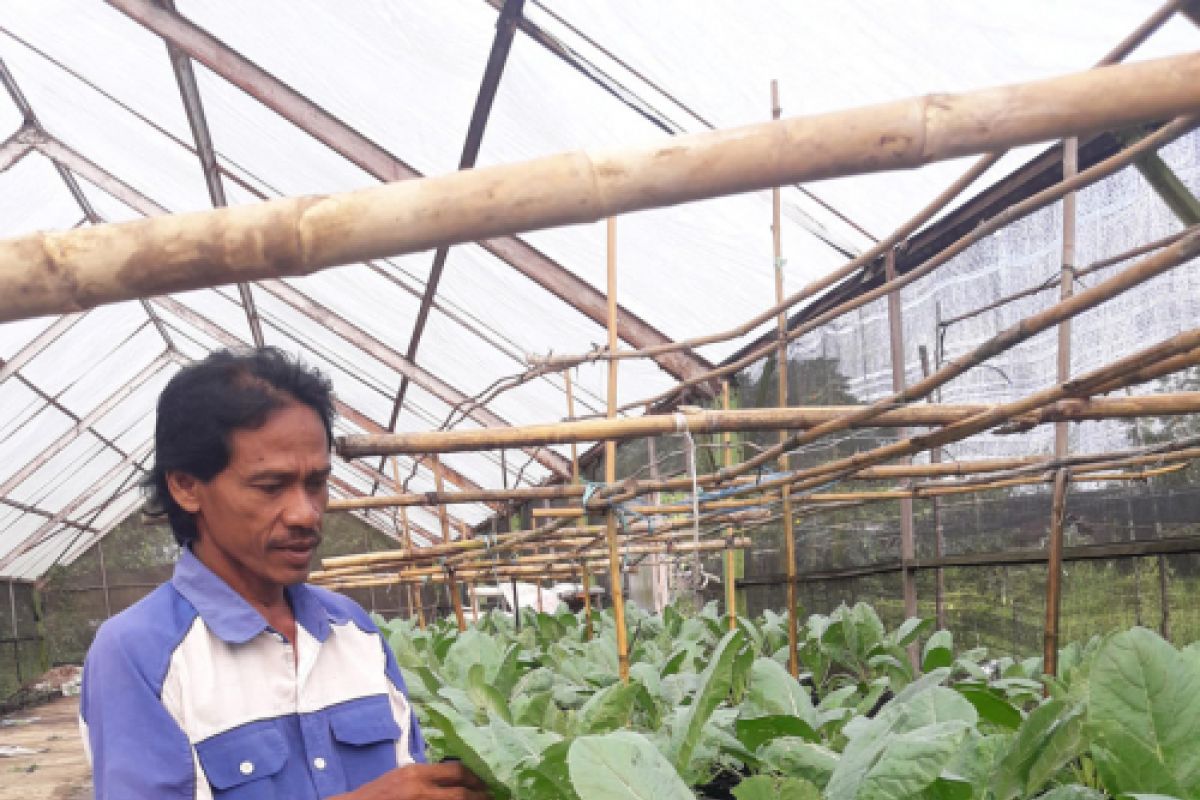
761 419
55 272
379 163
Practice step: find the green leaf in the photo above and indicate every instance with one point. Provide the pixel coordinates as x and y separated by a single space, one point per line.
906 765
470 648
800 759
753 733
1038 735
939 651
773 691
1144 712
992 707
608 709
906 746
454 744
770 787
674 663
712 688
909 630
548 779
623 766
485 696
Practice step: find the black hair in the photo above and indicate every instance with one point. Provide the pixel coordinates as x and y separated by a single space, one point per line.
208 400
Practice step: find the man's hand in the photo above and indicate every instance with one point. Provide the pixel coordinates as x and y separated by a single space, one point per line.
448 781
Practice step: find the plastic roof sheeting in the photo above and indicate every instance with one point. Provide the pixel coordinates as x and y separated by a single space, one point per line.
406 76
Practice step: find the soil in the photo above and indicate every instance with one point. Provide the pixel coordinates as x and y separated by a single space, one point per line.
58 770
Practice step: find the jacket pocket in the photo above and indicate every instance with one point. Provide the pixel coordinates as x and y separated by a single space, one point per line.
241 764
366 735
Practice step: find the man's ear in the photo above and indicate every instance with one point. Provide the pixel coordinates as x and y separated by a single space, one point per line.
185 489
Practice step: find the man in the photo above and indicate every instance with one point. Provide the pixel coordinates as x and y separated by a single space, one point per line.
236 679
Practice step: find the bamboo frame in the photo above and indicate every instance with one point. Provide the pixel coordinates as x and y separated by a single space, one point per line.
616 587
48 273
730 578
805 418
1117 54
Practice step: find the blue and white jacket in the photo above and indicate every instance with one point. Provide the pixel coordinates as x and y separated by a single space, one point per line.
189 694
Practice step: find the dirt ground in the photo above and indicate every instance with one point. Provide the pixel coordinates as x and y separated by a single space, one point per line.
59 771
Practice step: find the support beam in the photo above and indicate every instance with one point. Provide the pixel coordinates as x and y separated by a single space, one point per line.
763 419
46 272
189 92
506 26
378 162
25 508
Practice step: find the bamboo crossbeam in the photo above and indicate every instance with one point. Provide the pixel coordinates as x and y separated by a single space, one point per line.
882 472
715 421
909 493
46 273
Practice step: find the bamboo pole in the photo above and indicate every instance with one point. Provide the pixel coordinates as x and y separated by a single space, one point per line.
585 576
610 464
730 577
1063 370
1054 574
908 545
781 372
935 457
416 600
48 273
444 521
701 422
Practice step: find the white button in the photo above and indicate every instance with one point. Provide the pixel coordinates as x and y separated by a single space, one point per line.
246 767
319 762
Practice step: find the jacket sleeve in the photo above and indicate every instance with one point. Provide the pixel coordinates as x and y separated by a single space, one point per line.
136 748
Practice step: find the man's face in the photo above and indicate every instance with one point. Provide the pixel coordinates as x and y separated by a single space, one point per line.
260 517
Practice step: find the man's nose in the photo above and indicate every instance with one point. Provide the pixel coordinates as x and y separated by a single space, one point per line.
302 509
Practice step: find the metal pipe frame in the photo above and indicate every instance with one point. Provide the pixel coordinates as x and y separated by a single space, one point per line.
506 27
189 93
378 162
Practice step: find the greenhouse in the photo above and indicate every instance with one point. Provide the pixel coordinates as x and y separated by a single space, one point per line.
600 401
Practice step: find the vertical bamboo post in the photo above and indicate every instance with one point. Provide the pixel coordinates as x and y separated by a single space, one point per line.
730 573
610 462
415 595
935 508
1058 503
1054 574
908 547
585 578
444 520
464 532
104 579
781 370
